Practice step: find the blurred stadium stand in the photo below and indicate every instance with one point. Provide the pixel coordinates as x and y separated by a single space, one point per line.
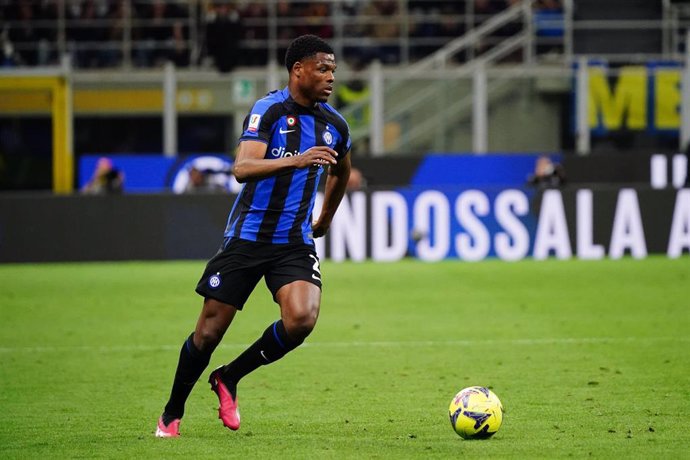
433 54
197 33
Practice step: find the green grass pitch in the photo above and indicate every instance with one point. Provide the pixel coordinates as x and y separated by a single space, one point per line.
589 359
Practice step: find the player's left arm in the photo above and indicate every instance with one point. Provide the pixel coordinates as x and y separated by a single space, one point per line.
336 183
251 164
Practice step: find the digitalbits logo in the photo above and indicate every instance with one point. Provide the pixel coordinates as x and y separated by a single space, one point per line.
281 152
214 281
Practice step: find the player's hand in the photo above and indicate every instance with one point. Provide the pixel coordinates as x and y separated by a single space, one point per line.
318 229
319 155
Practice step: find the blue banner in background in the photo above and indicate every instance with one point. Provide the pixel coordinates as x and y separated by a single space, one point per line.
160 174
491 170
143 173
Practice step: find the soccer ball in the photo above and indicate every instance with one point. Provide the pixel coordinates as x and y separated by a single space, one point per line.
476 413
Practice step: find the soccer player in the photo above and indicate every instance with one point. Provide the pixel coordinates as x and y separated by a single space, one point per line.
290 137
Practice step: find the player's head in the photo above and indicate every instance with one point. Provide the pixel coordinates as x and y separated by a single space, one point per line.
311 64
304 47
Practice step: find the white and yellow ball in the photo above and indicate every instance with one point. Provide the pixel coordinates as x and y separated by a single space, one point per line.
476 413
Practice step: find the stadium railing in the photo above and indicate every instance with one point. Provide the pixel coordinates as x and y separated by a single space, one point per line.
144 33
127 34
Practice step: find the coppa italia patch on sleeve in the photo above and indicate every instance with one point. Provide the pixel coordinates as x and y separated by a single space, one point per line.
254 120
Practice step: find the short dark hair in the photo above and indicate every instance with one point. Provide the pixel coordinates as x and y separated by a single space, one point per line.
304 47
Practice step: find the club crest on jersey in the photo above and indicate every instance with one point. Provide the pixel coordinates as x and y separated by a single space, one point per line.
214 281
291 120
254 120
327 137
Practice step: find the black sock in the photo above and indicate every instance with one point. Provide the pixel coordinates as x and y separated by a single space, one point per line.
191 364
271 346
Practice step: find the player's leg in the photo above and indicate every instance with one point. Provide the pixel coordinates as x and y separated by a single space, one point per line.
214 320
299 305
299 309
294 280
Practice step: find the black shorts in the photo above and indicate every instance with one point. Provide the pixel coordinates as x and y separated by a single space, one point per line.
233 273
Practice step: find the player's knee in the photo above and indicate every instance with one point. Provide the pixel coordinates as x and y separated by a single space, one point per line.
213 322
300 323
207 339
301 330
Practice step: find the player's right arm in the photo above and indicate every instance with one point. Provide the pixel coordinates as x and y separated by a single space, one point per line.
250 162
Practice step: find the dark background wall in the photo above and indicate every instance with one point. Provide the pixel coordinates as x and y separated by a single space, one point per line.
42 227
613 40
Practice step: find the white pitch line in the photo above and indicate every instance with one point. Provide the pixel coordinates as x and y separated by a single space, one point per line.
359 344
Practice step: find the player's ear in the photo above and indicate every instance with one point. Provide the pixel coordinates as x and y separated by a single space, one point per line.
297 68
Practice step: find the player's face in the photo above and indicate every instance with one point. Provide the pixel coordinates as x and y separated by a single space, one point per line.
318 77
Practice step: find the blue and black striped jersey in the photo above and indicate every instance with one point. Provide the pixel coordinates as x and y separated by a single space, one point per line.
277 209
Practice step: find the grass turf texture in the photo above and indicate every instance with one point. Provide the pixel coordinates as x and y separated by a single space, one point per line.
589 359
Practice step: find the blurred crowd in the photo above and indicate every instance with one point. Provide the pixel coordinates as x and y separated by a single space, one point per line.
94 32
147 33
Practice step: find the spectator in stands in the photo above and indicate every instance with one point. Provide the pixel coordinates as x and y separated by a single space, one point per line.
289 10
287 30
318 20
548 5
46 12
8 56
253 55
106 179
350 7
114 35
223 35
484 9
513 27
547 174
385 30
548 22
179 54
200 182
73 17
22 34
163 35
424 25
86 33
435 23
353 91
450 28
355 32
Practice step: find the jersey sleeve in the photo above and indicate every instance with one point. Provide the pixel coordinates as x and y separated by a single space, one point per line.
259 122
343 147
347 141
